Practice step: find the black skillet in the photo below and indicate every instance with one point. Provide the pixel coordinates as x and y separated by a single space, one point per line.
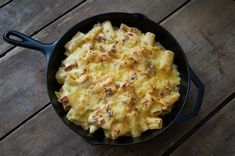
54 53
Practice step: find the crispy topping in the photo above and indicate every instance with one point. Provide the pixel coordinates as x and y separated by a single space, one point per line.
108 91
100 38
117 86
70 67
117 79
65 102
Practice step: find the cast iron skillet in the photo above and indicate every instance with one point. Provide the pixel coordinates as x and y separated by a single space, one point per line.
54 53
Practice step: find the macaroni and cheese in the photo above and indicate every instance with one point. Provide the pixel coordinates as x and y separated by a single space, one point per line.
117 79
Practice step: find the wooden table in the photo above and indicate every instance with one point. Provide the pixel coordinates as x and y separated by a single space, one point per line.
204 28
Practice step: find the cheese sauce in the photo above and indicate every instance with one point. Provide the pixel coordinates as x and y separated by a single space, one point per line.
117 79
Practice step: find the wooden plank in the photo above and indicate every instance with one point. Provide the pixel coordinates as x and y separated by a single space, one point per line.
37 137
3 2
210 55
216 137
207 36
22 72
28 17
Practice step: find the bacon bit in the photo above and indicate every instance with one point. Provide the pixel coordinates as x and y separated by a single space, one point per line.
130 34
133 76
84 72
64 99
102 49
125 85
117 86
113 50
100 59
108 91
129 29
130 61
98 119
65 102
161 94
123 40
70 67
92 47
109 111
147 104
149 65
100 39
167 86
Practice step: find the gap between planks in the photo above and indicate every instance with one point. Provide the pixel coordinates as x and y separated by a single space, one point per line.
40 29
185 4
23 122
174 146
36 32
178 143
34 114
6 3
199 124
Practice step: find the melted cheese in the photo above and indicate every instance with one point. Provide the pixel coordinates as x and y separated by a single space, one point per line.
119 80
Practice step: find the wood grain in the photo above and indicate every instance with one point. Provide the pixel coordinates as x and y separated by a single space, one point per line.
27 16
22 72
207 36
216 137
3 2
37 138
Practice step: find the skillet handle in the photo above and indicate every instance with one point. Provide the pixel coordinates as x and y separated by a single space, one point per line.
200 92
23 40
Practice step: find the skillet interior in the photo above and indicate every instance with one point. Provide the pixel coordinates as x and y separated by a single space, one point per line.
145 25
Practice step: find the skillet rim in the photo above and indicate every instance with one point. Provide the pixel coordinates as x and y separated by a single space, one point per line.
87 139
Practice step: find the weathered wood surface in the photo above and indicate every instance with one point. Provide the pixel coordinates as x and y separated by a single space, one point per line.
16 96
3 2
204 28
46 134
216 137
22 72
29 16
